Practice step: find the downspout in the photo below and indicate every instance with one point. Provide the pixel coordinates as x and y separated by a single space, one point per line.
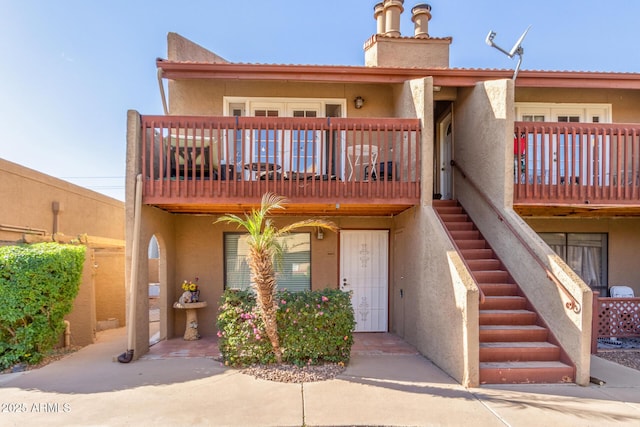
55 207
127 356
162 95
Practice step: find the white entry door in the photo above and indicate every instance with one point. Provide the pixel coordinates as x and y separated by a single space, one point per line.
446 174
364 258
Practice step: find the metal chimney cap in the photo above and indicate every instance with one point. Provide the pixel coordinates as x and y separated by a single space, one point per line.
421 6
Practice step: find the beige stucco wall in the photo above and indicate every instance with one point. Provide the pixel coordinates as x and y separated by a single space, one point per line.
29 196
83 316
434 301
409 52
202 97
109 270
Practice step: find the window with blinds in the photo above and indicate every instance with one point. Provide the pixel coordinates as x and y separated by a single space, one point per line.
293 270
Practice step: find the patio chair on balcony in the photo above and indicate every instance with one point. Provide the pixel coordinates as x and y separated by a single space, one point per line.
360 157
193 155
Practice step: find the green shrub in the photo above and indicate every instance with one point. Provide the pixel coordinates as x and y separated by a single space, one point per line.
313 327
241 336
38 284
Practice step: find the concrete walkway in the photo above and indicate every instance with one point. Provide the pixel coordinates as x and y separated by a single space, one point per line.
88 389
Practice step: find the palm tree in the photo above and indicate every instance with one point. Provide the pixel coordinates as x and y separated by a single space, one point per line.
264 249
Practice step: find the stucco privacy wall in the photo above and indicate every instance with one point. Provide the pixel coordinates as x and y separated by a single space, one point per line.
110 300
432 298
83 316
623 241
484 132
29 198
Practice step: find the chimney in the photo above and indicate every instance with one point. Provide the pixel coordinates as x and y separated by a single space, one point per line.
392 10
378 15
388 49
421 14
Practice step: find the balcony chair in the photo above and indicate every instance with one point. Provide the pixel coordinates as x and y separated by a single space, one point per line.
360 157
193 154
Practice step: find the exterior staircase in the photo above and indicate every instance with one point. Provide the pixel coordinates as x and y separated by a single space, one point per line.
515 346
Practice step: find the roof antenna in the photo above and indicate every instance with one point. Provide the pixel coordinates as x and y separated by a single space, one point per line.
515 50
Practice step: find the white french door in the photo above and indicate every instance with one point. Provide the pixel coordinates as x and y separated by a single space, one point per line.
364 271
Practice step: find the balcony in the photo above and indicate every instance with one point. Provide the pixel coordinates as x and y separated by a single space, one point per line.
576 169
326 166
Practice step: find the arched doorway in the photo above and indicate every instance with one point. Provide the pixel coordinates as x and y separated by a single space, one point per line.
155 332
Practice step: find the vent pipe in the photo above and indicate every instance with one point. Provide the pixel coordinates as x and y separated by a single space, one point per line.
421 14
392 10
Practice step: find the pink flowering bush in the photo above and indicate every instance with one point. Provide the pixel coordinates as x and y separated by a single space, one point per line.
313 327
241 336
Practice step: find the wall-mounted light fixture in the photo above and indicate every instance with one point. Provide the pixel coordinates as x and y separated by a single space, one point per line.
358 102
320 234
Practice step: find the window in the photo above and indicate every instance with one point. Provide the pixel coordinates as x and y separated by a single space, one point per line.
293 271
585 253
298 150
563 112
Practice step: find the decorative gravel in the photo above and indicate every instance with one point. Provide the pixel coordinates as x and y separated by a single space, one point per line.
628 358
294 374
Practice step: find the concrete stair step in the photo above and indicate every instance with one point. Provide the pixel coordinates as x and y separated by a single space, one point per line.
484 264
513 333
460 226
518 351
507 317
526 372
465 235
512 348
444 203
445 210
503 302
499 289
470 254
471 244
491 276
461 217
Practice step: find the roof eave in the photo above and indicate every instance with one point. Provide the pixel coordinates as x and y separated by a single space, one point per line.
455 77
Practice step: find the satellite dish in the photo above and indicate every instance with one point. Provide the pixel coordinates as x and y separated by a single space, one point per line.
515 50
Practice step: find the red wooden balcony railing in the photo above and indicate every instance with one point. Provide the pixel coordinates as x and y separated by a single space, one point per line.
576 163
226 160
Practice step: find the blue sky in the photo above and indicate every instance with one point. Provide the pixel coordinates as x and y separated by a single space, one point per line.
71 69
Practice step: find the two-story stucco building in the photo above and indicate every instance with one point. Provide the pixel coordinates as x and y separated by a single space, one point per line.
451 187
